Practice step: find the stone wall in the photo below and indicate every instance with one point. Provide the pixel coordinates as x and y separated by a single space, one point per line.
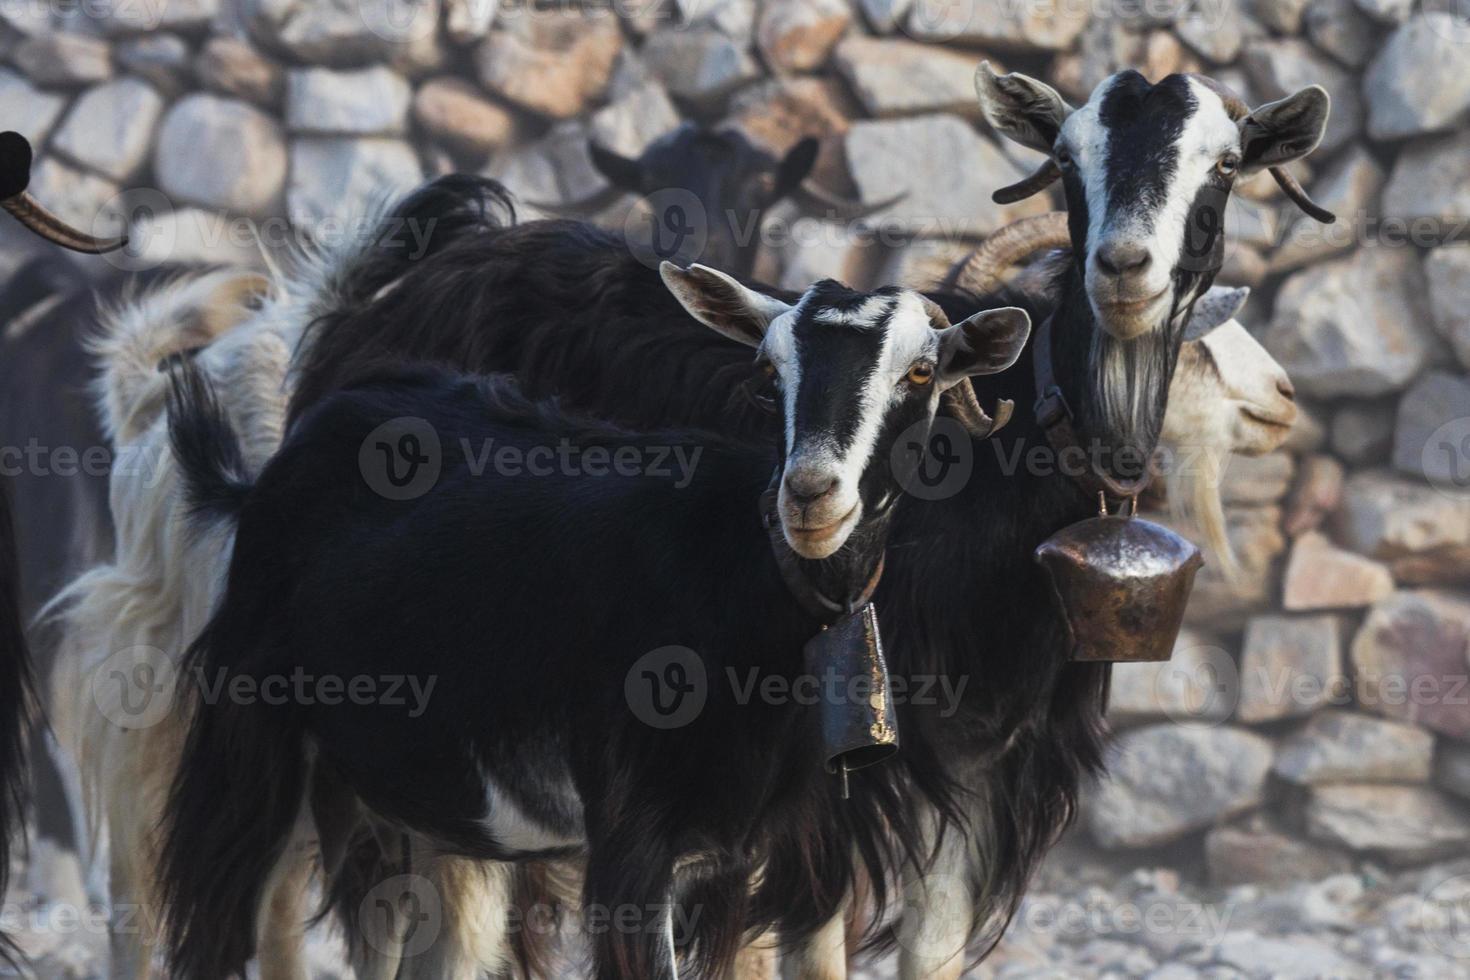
1316 714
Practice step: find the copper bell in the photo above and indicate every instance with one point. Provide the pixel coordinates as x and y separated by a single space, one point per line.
1123 583
859 727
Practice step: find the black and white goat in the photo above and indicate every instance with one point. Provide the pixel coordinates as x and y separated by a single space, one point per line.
709 191
528 600
1147 171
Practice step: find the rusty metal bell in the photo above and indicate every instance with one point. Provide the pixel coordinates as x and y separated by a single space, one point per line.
1123 583
859 725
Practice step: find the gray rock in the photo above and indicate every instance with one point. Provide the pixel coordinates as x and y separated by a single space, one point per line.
629 124
1386 11
1401 824
900 78
883 16
1289 666
458 115
1316 494
83 200
466 21
816 250
156 15
1342 30
231 66
549 63
57 60
1348 187
1452 767
1297 957
700 66
916 155
1410 660
1282 66
1169 780
923 262
1346 747
1405 100
110 128
1322 576
1215 30
221 154
194 236
364 102
798 35
557 168
1431 179
1436 399
1448 271
1356 327
1256 852
161 59
1051 25
1104 45
341 33
734 18
1197 683
339 179
1253 480
26 109
1283 16
1419 532
1362 432
1221 603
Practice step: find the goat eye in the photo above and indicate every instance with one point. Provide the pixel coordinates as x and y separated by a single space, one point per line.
764 390
1062 156
921 373
1228 165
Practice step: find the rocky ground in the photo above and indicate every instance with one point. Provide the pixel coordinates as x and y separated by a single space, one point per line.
1088 916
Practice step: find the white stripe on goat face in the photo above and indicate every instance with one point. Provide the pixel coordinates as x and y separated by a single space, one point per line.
840 356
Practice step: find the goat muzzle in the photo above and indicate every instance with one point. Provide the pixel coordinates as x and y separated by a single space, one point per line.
15 177
1122 584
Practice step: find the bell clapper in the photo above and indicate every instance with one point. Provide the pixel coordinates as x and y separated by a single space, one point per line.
843 776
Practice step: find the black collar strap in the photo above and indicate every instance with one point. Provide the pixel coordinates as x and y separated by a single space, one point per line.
1055 417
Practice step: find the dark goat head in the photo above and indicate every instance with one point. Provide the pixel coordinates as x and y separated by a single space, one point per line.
727 177
15 177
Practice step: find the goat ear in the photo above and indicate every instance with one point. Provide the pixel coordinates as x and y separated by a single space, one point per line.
795 166
1214 308
721 303
1020 107
1285 130
986 343
619 170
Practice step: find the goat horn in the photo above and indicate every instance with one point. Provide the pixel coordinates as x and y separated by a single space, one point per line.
1042 178
937 317
30 212
1293 189
811 196
582 207
981 270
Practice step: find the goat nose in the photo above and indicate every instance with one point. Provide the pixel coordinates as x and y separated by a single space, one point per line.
1120 258
806 484
1287 389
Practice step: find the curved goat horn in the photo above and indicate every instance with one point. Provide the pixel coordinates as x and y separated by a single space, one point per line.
981 270
15 176
1041 178
1293 190
963 405
937 317
581 207
811 196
